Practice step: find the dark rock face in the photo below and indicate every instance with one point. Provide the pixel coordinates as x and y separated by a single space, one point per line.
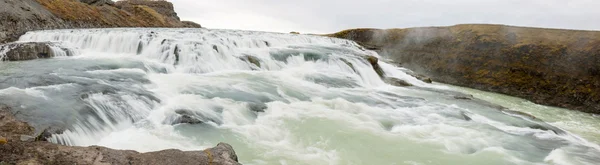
547 66
26 51
16 151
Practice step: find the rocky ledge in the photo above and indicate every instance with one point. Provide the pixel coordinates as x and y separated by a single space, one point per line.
31 50
18 146
21 16
547 66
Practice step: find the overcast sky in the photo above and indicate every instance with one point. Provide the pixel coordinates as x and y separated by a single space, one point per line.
326 16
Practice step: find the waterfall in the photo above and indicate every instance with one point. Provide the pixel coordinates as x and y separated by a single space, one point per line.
277 98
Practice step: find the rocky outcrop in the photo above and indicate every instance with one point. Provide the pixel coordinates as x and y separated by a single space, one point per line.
20 16
547 66
29 51
17 151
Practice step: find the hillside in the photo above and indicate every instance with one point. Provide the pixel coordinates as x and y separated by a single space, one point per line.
20 16
547 66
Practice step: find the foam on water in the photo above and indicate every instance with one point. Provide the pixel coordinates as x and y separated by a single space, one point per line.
277 98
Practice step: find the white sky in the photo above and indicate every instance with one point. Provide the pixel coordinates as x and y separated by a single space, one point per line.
327 16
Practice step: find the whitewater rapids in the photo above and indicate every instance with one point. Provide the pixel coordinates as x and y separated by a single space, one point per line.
276 98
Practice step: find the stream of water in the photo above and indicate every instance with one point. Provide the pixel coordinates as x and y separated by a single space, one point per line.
277 99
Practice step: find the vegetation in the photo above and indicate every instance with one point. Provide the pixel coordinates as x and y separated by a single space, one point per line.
110 16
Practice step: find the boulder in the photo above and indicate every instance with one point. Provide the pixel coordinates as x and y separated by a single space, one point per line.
257 107
185 116
374 61
27 51
251 59
186 119
294 32
396 82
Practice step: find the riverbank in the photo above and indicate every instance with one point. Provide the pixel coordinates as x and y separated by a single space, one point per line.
19 145
546 66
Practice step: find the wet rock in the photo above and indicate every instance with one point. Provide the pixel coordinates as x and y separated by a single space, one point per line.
465 116
251 59
374 61
47 133
519 113
257 107
26 51
396 82
186 119
464 97
349 64
421 77
215 48
190 117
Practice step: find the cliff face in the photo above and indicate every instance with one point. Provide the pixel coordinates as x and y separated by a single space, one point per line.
20 16
547 66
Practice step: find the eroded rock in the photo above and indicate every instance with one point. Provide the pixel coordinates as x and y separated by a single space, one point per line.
26 51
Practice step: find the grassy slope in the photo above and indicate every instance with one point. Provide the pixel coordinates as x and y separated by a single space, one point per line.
73 10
